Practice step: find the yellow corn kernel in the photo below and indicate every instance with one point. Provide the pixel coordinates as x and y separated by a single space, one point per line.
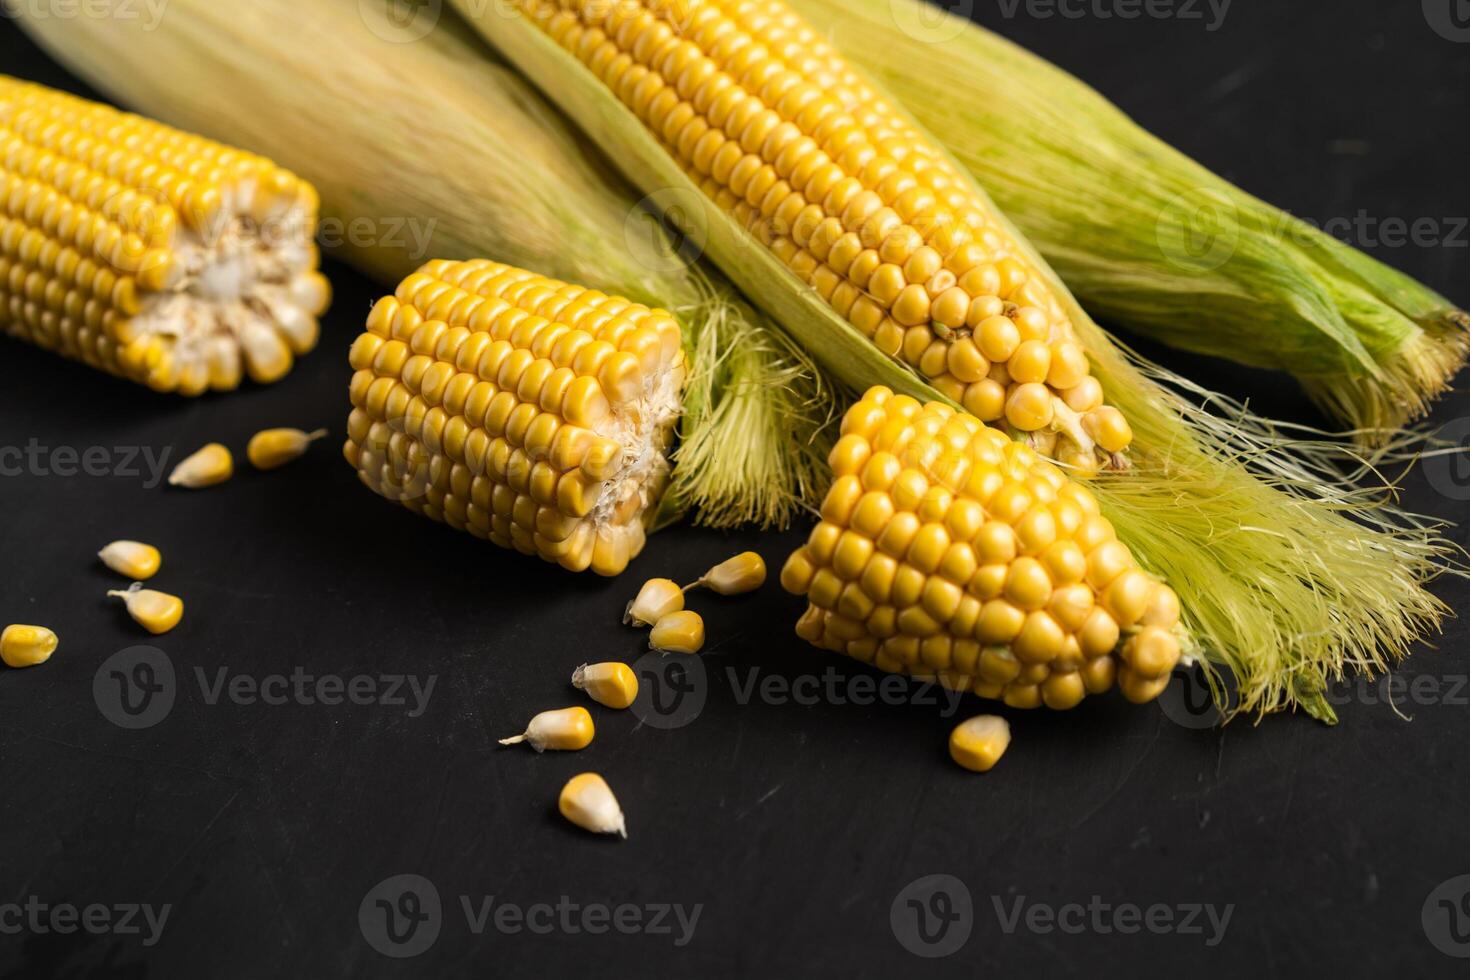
679 632
532 413
587 801
566 730
157 612
208 467
746 572
152 254
132 559
611 684
977 544
26 646
978 743
780 132
274 448
658 598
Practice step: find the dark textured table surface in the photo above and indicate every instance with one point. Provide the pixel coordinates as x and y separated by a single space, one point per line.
772 835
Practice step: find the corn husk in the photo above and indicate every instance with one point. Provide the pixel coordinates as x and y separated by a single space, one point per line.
1148 238
1288 576
434 149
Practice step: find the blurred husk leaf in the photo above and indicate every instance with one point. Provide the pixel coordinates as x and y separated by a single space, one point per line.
432 148
1147 237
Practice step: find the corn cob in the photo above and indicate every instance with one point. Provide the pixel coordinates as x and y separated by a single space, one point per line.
860 207
152 254
1116 210
948 551
525 411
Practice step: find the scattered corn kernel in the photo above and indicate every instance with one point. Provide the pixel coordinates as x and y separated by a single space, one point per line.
678 632
26 646
565 730
611 684
746 572
978 743
133 559
274 448
658 598
209 466
156 612
587 801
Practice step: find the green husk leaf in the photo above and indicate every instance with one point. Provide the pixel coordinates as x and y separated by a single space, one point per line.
435 149
1287 575
1150 239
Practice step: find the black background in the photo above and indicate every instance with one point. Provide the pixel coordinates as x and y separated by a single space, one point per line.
794 826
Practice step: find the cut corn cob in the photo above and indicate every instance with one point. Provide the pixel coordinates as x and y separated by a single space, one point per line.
161 257
856 203
948 551
526 411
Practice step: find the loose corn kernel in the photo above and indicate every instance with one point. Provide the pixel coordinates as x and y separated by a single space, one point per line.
132 559
746 572
566 730
531 413
678 632
967 540
978 743
152 254
274 448
156 612
782 134
26 646
611 684
208 467
587 801
658 598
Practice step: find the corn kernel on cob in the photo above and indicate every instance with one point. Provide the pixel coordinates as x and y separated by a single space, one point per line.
526 411
946 550
158 256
